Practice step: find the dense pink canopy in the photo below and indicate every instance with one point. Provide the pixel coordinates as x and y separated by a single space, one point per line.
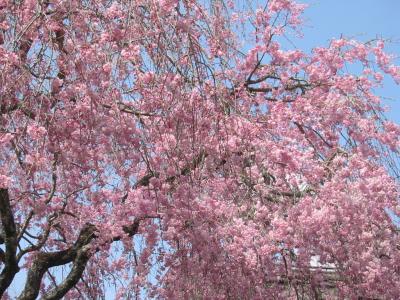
175 149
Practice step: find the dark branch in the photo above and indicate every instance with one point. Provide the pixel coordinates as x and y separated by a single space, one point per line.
78 266
45 260
7 109
10 239
127 109
79 254
196 161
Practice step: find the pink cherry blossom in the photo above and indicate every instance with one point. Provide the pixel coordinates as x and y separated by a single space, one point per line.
176 149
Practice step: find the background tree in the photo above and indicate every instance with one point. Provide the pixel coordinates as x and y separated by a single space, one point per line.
174 149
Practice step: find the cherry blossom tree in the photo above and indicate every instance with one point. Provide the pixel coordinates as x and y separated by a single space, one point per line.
176 149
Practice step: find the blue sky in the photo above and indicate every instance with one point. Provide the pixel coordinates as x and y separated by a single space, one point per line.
360 19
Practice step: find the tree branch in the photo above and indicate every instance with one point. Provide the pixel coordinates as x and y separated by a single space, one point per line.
10 239
78 267
45 260
79 264
79 254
